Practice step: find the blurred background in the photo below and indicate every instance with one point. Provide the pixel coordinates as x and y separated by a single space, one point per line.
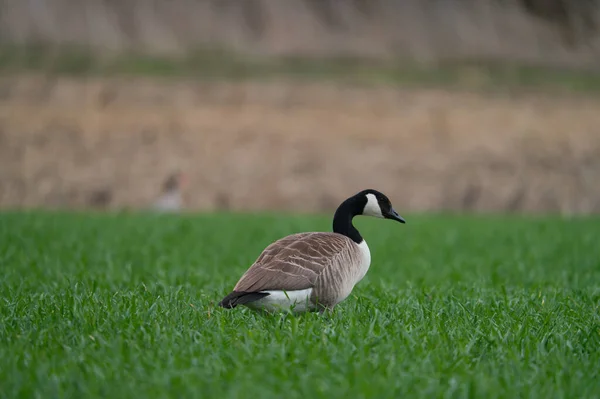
444 105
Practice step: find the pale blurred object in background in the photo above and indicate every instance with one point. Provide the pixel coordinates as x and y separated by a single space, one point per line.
171 198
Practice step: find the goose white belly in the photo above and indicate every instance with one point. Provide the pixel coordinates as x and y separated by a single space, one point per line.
299 300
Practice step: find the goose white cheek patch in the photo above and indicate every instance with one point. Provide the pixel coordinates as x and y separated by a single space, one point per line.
372 207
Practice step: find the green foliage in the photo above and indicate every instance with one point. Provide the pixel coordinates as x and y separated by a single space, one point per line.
123 305
220 65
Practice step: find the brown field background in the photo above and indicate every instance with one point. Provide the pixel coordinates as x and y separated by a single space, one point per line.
286 144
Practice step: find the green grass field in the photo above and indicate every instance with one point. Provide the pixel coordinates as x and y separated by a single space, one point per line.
453 306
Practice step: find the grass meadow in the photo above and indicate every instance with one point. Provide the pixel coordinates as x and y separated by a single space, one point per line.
124 305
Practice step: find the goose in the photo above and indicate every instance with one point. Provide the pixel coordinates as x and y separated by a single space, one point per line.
313 270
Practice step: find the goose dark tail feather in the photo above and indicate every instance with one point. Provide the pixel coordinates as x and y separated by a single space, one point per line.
240 298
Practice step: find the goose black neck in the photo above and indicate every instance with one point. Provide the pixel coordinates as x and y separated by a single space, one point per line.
342 220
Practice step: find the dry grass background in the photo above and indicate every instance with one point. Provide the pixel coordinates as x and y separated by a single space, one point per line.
282 144
302 146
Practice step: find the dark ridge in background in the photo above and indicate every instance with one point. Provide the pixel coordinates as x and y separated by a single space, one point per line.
547 32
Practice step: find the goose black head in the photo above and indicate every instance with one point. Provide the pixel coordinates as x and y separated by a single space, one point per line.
377 204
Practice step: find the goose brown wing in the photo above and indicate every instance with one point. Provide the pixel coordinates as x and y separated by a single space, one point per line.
293 262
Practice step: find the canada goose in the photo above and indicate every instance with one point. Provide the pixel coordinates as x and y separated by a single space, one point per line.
315 270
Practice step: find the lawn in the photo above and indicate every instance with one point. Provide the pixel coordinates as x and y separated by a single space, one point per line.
123 305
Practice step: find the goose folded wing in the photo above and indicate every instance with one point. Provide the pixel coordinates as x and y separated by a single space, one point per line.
278 276
293 266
